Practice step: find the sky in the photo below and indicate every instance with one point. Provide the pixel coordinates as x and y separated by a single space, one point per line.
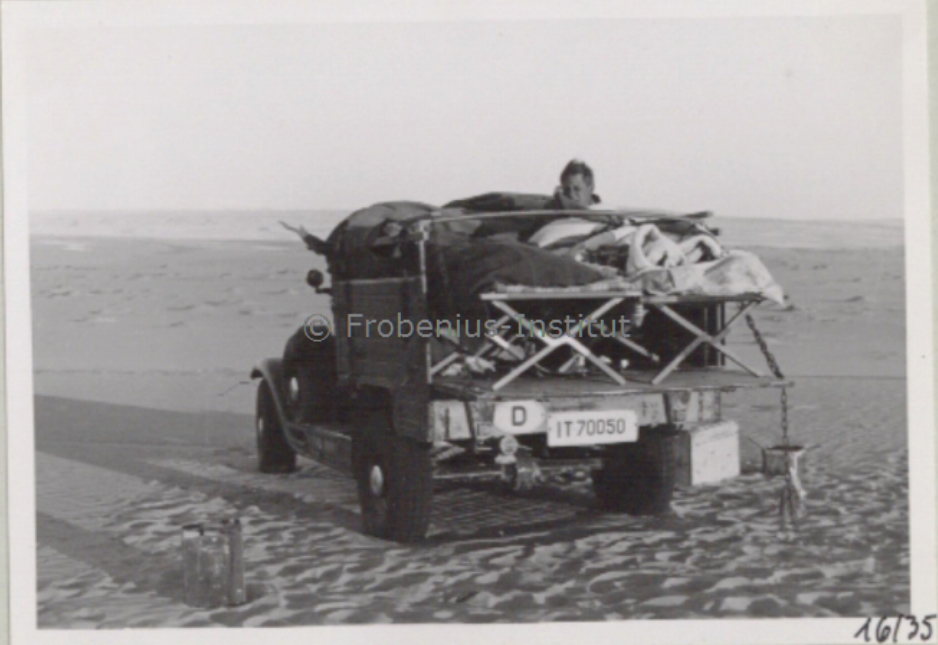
774 117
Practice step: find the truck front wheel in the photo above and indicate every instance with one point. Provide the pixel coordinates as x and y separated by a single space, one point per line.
274 453
638 478
395 480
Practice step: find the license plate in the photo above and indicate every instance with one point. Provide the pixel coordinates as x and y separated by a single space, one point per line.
590 427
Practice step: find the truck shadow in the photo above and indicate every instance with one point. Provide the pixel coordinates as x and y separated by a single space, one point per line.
212 453
484 510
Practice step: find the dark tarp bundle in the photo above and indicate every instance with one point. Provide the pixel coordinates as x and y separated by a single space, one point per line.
460 263
460 267
351 245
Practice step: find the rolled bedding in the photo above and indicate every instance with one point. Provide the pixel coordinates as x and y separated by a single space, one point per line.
735 274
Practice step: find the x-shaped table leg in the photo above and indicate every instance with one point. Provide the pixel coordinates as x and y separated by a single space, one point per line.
627 342
702 337
486 348
553 343
638 349
506 345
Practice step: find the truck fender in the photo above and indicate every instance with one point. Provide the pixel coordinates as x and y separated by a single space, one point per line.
271 370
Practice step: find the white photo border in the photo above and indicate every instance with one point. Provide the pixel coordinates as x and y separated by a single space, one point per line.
18 18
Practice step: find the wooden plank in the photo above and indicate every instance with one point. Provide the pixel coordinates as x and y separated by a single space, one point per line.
636 382
695 299
560 295
374 358
342 349
327 444
563 294
411 413
441 216
378 284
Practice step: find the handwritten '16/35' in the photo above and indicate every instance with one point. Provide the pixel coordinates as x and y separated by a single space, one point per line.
890 629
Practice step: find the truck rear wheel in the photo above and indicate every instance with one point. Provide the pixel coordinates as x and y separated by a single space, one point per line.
638 478
395 480
274 453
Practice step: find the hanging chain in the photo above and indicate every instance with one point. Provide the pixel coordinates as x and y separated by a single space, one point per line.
776 372
789 503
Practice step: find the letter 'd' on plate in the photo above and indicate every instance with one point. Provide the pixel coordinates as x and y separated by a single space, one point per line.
591 427
519 417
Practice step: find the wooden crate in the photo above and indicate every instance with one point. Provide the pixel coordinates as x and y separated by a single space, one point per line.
707 453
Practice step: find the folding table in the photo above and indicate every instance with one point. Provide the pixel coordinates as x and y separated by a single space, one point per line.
609 301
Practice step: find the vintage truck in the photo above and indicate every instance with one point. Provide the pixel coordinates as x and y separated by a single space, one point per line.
641 409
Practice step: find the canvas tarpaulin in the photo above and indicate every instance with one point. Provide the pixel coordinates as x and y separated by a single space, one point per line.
459 264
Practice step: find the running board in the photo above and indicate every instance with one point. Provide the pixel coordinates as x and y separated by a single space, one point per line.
326 444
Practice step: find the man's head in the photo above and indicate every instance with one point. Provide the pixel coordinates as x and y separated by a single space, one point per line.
577 183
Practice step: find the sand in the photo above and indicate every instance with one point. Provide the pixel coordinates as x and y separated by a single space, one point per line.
144 337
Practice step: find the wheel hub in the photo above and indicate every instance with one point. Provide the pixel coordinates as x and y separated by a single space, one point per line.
376 481
260 426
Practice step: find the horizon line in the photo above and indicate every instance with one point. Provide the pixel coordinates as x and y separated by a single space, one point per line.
255 211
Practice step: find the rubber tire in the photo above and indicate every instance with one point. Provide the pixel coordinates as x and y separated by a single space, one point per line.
638 478
402 511
274 454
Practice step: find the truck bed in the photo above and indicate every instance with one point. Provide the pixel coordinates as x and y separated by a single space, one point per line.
637 382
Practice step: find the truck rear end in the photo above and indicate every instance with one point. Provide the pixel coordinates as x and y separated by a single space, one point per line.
641 409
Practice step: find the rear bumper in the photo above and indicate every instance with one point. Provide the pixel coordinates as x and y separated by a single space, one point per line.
459 420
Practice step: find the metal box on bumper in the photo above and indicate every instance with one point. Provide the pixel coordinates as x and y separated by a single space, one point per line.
708 453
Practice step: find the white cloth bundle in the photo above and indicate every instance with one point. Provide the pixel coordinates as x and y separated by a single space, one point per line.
735 274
